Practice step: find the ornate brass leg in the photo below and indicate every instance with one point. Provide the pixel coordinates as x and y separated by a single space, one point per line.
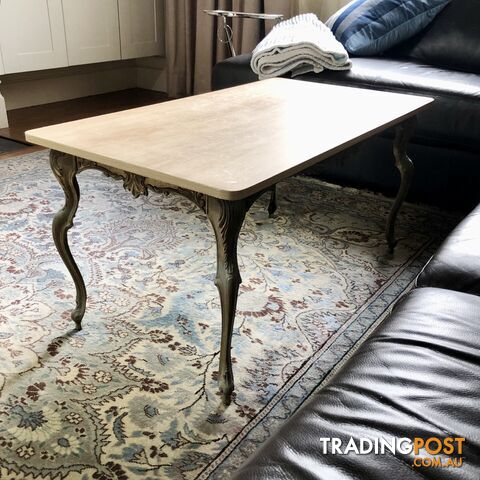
405 166
65 168
272 206
227 219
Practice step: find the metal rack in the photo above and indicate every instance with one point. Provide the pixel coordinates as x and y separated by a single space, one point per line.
227 29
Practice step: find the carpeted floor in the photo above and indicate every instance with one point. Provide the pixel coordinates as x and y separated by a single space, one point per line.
134 395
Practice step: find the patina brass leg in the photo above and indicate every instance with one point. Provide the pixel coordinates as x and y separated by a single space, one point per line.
405 166
272 206
65 168
227 219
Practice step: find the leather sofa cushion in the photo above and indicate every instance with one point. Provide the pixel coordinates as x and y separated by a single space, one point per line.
417 375
233 71
453 120
452 40
456 265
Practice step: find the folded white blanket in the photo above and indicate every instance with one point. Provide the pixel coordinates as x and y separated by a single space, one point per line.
299 45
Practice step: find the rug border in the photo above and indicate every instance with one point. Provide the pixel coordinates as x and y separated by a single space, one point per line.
418 257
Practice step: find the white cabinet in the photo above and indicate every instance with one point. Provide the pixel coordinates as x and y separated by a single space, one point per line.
43 34
92 30
141 28
32 35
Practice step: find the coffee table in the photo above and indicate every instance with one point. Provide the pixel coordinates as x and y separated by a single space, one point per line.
222 150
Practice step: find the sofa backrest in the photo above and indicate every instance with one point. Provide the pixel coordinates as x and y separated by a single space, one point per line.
452 40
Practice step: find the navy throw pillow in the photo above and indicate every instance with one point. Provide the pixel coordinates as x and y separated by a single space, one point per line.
369 27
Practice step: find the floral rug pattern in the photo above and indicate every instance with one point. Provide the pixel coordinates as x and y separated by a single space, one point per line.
134 394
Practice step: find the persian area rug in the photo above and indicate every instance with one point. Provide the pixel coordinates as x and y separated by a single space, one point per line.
134 395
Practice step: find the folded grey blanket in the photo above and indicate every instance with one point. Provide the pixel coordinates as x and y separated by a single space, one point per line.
299 45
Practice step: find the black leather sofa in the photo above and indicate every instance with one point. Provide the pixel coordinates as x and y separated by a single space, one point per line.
443 62
417 375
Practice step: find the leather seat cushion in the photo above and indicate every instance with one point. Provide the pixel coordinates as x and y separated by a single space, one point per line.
233 71
417 375
453 119
456 265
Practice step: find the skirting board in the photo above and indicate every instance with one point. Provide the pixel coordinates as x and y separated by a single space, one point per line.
152 79
47 86
152 73
3 113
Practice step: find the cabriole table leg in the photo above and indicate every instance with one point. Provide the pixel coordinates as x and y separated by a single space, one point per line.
272 205
227 218
65 169
404 165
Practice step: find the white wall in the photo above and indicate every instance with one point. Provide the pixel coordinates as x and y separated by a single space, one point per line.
323 8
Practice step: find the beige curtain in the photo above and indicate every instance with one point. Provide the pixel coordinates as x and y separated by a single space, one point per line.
192 46
322 8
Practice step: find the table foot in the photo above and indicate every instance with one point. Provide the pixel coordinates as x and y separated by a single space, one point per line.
272 206
65 169
405 166
227 218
